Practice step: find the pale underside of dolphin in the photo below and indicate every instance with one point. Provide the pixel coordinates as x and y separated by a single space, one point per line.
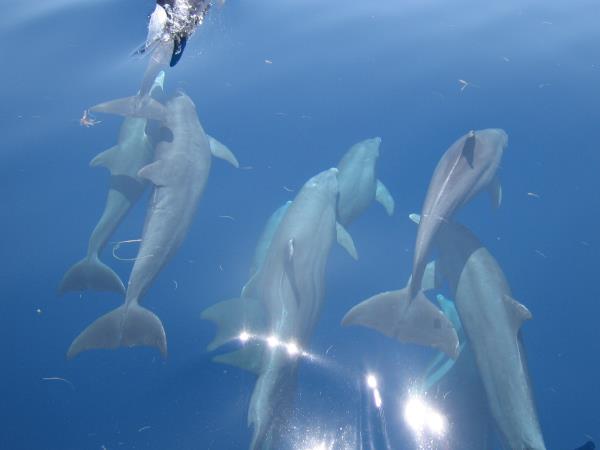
359 185
179 173
492 321
134 150
284 299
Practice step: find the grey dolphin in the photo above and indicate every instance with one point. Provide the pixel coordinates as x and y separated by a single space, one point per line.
179 174
283 302
455 388
133 151
492 321
359 185
468 167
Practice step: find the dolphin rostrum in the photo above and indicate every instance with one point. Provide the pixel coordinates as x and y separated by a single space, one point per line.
359 185
281 305
134 150
179 174
492 320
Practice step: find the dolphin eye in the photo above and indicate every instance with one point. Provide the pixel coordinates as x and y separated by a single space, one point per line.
437 324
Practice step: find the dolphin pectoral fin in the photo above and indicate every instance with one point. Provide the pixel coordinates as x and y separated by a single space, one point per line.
127 326
220 150
248 358
416 218
144 107
449 309
517 311
153 172
106 158
233 317
418 321
495 190
345 240
383 196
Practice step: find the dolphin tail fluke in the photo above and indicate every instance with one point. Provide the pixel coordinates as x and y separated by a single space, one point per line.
144 107
127 326
415 320
589 445
91 274
233 317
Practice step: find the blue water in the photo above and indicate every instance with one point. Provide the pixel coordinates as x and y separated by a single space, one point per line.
340 72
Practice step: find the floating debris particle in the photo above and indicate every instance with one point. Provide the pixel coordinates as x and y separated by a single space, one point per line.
63 380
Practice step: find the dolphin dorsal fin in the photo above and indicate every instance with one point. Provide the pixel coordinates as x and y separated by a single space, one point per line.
383 196
106 158
345 240
495 190
220 150
468 150
154 173
516 311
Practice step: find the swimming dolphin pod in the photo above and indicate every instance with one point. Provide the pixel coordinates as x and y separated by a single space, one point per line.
359 185
134 150
283 300
492 320
179 173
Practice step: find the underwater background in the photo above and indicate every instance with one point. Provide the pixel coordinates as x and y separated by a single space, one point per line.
290 85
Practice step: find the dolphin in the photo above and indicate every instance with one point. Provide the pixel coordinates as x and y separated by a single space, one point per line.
492 320
455 388
468 167
282 304
134 150
359 185
179 174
